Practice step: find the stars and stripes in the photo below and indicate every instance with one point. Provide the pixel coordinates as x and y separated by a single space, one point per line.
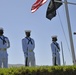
37 4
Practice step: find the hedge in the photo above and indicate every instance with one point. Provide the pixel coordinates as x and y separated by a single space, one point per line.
40 70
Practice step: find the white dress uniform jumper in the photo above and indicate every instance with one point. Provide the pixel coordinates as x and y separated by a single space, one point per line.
28 46
4 44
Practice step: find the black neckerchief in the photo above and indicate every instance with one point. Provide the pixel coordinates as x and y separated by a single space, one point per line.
29 40
3 39
56 45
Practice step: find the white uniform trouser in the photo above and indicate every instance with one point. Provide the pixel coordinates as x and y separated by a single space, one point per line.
31 59
3 59
56 59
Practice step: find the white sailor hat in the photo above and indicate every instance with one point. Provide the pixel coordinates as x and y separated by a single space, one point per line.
54 36
28 31
1 28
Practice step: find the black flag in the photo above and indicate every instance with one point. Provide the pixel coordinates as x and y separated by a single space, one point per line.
52 7
51 11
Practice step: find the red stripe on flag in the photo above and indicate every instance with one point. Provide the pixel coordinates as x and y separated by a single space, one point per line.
37 4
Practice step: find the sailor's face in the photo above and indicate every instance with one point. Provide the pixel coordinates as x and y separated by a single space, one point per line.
1 32
28 34
54 39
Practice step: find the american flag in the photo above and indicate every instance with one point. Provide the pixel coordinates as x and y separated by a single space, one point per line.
37 4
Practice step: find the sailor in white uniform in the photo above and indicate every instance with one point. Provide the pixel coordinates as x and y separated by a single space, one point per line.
55 51
4 44
28 46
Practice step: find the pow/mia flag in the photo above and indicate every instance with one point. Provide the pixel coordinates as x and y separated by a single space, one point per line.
52 7
51 11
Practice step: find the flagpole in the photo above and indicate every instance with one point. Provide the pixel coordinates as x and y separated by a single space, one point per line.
65 2
70 33
62 53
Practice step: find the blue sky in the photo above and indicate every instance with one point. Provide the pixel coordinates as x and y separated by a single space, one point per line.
16 17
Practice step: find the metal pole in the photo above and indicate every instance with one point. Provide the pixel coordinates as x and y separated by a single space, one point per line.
62 54
65 2
70 33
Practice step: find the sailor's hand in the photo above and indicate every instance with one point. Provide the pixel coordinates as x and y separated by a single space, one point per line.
4 49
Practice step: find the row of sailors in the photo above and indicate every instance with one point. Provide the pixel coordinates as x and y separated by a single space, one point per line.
28 46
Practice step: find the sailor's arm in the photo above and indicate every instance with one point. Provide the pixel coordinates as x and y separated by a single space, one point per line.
58 47
53 48
24 46
33 44
7 43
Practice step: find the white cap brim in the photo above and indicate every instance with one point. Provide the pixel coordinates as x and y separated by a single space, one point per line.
54 36
1 28
27 30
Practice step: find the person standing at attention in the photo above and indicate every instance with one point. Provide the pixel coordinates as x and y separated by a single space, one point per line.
28 45
55 51
4 45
